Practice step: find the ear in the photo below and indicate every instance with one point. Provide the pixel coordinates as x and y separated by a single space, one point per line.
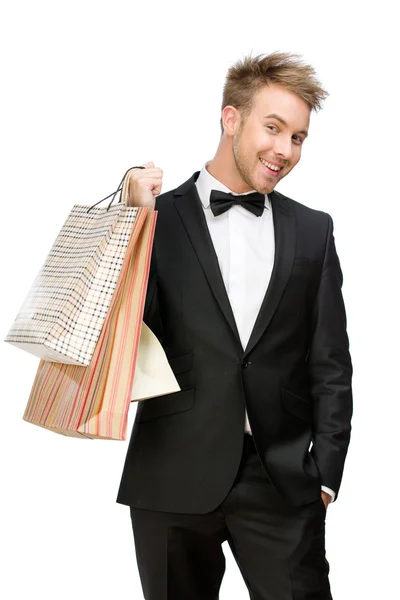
230 120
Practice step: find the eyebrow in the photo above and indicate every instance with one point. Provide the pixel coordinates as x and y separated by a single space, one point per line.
278 118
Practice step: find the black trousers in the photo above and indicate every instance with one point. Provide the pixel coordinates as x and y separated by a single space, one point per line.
279 549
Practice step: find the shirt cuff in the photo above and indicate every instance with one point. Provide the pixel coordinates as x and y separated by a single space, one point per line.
329 491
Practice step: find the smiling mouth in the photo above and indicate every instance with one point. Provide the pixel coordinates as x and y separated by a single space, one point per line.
274 170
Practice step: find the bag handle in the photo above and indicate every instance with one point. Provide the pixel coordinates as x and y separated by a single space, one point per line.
122 187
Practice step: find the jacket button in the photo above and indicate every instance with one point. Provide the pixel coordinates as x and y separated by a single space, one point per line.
245 364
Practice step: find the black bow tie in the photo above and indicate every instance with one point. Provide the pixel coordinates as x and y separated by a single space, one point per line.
222 201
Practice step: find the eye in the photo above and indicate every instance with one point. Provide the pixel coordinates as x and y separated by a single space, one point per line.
273 127
299 139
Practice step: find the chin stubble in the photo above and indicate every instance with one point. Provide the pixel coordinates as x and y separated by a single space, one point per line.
237 164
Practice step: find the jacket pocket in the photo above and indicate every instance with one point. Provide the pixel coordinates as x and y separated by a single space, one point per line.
297 406
162 406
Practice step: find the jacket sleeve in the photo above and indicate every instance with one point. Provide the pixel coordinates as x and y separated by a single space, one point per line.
330 371
151 313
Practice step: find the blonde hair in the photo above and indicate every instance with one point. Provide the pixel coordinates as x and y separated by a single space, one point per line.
248 75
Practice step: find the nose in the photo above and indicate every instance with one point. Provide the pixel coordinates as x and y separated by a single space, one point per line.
283 147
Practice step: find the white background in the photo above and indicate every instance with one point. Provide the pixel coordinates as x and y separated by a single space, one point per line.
92 88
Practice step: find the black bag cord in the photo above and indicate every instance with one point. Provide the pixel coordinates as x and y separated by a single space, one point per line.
113 194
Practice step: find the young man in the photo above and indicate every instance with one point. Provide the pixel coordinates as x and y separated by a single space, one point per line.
245 296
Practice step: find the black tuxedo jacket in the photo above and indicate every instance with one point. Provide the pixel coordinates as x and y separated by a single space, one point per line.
294 377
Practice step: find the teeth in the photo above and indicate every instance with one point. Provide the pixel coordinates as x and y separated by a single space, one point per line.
267 164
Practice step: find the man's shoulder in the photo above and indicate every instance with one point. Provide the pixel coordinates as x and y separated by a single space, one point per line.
302 210
166 198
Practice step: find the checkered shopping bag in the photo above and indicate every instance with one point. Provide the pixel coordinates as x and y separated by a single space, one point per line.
65 309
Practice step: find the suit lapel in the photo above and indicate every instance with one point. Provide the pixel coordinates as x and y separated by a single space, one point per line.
285 246
188 205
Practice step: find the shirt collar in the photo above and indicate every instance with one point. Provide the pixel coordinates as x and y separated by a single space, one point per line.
206 182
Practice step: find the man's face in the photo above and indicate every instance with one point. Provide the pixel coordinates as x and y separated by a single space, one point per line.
273 133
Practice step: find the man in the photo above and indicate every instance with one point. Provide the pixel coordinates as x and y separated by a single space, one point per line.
245 296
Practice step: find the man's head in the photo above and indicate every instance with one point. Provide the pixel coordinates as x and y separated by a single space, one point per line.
266 107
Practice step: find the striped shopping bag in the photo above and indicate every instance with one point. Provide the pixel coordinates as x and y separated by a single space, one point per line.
93 401
65 309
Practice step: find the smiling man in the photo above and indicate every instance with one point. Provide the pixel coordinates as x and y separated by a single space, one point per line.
245 297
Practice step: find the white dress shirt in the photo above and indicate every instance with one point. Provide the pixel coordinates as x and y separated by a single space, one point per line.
245 248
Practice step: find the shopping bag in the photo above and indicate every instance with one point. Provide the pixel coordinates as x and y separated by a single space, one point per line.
93 401
65 309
